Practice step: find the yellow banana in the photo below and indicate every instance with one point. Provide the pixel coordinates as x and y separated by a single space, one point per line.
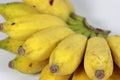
16 9
47 75
98 61
25 65
80 74
40 45
23 27
114 43
54 7
69 6
11 45
68 54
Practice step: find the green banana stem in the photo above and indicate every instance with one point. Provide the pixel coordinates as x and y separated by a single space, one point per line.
76 17
81 26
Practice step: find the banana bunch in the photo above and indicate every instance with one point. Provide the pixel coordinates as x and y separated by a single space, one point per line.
47 36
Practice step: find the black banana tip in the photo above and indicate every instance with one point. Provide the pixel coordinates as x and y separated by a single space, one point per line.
21 51
10 64
1 26
99 74
54 68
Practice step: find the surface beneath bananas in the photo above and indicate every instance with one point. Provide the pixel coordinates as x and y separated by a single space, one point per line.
103 20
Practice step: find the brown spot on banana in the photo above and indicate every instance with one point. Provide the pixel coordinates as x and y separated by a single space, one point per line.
99 74
51 2
13 23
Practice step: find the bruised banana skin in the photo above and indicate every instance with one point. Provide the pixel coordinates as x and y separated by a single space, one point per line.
16 9
114 43
54 7
23 27
46 40
25 65
98 61
68 52
46 74
11 45
80 74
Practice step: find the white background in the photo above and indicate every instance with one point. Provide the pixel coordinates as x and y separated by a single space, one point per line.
103 14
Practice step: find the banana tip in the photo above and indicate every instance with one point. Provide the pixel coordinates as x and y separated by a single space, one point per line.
1 27
99 74
54 68
10 64
21 51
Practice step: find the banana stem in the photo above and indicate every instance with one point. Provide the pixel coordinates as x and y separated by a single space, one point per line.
76 17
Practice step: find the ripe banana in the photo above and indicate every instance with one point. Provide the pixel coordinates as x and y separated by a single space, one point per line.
80 74
114 43
98 61
11 45
25 65
23 27
46 74
54 7
40 45
16 9
68 54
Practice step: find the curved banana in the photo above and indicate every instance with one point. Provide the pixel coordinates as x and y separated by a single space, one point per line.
25 65
40 45
11 45
46 74
98 61
16 9
23 27
68 54
80 74
114 43
54 7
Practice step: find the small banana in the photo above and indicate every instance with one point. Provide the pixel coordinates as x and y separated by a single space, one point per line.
68 54
46 74
40 45
16 9
114 43
98 61
11 45
25 65
23 27
54 7
80 74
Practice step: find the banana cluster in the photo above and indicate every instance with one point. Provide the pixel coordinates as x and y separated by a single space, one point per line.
47 36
